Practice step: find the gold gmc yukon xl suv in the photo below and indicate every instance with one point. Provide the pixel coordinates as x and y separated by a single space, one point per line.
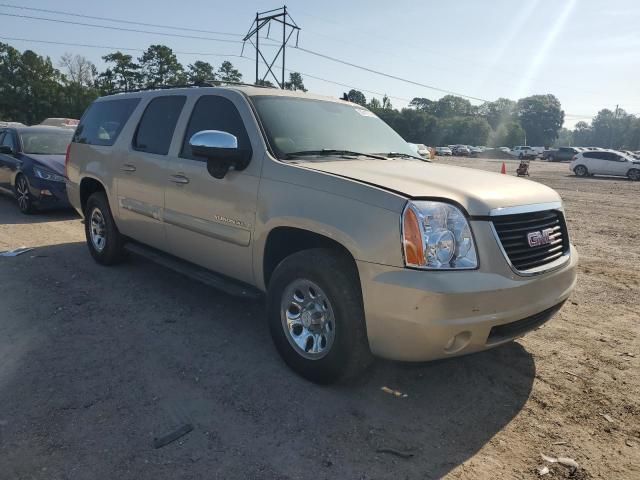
361 247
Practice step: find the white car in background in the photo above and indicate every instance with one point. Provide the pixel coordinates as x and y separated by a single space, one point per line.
423 150
522 151
444 151
605 162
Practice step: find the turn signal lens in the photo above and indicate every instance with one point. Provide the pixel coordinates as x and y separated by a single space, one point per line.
413 248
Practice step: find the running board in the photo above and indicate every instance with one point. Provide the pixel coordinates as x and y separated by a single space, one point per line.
188 269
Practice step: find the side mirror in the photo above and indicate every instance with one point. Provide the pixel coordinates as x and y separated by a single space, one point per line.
221 151
6 150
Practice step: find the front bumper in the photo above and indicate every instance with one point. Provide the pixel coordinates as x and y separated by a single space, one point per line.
414 315
47 194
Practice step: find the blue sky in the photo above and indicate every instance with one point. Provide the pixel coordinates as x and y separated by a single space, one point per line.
586 52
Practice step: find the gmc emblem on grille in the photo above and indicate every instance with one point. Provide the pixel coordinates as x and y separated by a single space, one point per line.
539 238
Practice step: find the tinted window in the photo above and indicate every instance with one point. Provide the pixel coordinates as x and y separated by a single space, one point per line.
155 130
215 113
590 155
102 122
9 139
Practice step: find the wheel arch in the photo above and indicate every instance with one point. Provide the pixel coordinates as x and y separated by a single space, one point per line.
282 241
89 186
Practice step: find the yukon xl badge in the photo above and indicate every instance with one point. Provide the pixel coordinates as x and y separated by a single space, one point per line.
539 238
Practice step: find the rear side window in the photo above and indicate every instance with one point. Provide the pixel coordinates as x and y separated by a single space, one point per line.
156 127
590 155
103 121
212 112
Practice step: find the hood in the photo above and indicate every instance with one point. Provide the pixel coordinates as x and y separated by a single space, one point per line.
477 191
52 162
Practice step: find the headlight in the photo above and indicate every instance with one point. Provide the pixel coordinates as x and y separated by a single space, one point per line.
47 175
436 235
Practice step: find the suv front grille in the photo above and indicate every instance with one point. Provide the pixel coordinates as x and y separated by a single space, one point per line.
534 239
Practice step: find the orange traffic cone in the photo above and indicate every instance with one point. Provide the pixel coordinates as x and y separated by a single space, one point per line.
503 170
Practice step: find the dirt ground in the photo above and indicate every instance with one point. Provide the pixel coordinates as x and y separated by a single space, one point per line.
96 362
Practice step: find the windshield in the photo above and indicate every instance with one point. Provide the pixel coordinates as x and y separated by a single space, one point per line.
46 143
300 124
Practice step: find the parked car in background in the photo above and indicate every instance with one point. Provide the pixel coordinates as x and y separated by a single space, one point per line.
522 151
444 151
32 166
423 150
560 155
10 124
461 151
360 247
606 162
504 149
60 122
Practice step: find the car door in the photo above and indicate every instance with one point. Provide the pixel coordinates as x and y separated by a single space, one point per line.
600 163
210 221
619 165
144 171
8 162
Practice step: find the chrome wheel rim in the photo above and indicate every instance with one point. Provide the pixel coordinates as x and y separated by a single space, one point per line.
307 318
581 171
22 193
634 175
97 230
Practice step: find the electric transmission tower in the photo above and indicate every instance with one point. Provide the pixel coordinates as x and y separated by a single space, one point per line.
262 20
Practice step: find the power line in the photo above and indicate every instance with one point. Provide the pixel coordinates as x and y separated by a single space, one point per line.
121 29
117 20
388 75
107 47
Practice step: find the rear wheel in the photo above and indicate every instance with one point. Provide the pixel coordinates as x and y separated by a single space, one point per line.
550 158
316 317
581 171
23 195
634 174
105 242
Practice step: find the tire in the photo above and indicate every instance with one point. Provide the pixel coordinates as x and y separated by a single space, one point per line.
581 171
634 174
336 347
23 195
521 156
105 242
550 158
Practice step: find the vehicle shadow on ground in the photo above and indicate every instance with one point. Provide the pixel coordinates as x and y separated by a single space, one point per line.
600 177
107 358
10 214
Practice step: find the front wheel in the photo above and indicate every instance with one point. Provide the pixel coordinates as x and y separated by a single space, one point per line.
105 242
23 195
316 316
581 171
634 174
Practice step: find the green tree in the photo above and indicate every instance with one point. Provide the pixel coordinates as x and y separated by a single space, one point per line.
264 83
541 116
507 134
200 72
423 104
160 67
227 73
295 82
565 138
499 112
124 75
78 84
452 106
374 104
582 135
356 96
386 103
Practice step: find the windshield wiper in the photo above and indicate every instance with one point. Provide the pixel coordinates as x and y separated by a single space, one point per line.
328 152
403 155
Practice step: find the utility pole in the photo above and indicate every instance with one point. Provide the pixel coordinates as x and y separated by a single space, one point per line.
264 19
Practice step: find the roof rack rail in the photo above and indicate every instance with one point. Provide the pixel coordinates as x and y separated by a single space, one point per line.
208 83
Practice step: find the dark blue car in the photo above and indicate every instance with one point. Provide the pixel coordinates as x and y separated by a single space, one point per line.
32 166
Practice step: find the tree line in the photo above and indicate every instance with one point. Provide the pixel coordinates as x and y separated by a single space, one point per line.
32 88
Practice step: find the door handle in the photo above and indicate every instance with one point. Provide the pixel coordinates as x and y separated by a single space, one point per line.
127 167
181 179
